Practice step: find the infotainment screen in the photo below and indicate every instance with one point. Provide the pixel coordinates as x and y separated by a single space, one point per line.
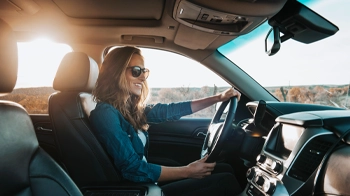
283 139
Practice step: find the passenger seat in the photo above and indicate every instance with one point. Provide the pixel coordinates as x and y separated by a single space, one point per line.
25 168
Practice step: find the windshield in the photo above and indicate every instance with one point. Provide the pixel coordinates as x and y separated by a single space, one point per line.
316 73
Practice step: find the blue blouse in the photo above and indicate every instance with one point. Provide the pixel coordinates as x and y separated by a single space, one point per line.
123 144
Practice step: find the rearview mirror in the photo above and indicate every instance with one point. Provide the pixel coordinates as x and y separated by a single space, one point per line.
298 22
272 41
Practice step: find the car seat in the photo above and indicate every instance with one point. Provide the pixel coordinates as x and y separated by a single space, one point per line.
25 168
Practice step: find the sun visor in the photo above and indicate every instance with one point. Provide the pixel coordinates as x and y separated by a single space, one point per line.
112 9
212 19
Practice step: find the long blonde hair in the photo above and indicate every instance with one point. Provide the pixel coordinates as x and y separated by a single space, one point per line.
112 87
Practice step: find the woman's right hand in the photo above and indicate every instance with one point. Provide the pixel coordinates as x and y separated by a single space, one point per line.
197 169
200 169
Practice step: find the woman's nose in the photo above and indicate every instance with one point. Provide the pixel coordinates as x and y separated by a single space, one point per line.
142 76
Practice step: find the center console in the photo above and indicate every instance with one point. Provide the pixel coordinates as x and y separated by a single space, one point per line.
292 152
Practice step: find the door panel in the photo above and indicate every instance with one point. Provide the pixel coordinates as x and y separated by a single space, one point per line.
177 143
44 133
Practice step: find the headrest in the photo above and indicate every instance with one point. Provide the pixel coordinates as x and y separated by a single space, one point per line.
18 143
8 59
77 72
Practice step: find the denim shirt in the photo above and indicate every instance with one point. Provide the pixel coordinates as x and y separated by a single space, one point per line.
120 139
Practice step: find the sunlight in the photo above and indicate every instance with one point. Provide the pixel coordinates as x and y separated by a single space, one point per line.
177 72
38 61
291 135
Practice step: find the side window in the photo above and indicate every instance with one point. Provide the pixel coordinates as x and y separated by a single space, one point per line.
38 62
175 78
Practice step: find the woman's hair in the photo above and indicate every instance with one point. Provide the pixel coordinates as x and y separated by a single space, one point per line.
112 87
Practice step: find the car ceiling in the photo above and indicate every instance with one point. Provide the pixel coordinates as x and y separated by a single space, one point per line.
96 24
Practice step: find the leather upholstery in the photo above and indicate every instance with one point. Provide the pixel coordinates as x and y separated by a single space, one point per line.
336 177
25 169
81 154
77 72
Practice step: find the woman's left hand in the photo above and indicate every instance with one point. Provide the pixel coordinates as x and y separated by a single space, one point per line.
227 94
200 104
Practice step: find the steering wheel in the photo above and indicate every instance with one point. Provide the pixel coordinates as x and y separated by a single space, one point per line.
219 131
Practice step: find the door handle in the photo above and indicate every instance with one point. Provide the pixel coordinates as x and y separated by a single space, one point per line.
43 129
201 133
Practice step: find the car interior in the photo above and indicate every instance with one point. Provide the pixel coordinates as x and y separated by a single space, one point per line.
25 167
275 147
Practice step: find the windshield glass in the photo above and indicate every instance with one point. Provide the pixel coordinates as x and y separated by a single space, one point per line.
316 73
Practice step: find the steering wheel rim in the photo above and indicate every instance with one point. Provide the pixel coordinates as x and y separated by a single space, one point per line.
219 131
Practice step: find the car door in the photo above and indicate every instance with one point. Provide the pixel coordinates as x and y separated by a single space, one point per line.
180 142
177 143
35 101
43 129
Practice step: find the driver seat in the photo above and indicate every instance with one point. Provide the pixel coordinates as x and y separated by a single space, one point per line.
25 168
80 152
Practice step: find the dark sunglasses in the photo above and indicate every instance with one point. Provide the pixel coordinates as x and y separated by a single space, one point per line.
137 70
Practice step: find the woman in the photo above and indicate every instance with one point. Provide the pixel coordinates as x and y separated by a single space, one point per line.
120 123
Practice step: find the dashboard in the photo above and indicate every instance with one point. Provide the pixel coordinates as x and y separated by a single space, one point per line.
296 140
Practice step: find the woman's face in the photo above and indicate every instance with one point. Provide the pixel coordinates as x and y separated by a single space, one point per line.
135 83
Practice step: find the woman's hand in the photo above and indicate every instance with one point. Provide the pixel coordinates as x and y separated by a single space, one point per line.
200 169
197 169
227 94
200 104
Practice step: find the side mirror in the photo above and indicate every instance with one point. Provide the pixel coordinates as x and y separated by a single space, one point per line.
272 41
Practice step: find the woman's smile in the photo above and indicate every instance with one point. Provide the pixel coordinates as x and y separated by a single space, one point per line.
135 83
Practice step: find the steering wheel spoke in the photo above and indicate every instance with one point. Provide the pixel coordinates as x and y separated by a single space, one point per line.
204 152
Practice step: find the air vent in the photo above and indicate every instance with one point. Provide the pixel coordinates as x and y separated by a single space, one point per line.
310 158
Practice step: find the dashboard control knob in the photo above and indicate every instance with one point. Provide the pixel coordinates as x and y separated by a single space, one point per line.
259 180
261 158
250 173
269 187
276 166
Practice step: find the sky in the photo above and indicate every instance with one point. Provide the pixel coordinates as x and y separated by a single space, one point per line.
171 70
323 62
38 62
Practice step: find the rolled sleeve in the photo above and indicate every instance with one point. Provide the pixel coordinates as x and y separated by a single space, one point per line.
109 128
169 112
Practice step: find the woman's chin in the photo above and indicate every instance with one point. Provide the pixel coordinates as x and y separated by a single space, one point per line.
136 93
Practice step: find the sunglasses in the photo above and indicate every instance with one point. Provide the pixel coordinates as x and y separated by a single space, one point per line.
137 70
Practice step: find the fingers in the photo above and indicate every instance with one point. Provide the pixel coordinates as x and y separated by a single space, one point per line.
207 172
236 94
231 92
207 165
200 168
203 159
